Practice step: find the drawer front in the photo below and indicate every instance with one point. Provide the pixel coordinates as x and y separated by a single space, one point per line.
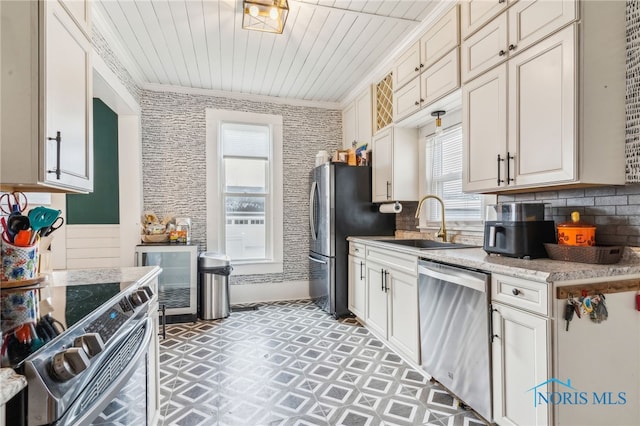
357 249
400 261
485 49
440 79
529 295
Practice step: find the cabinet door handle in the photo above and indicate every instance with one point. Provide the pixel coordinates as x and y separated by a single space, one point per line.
421 100
516 292
499 160
513 46
421 65
361 272
509 158
381 279
388 185
491 333
501 1
417 69
386 281
502 53
58 139
417 103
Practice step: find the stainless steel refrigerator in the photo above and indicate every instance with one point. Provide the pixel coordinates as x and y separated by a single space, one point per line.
339 206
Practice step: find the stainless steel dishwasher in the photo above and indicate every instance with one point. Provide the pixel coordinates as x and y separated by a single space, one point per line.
454 332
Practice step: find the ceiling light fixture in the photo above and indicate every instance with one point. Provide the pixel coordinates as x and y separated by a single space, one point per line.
265 15
437 114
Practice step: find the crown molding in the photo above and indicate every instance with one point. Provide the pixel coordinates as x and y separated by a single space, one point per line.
239 96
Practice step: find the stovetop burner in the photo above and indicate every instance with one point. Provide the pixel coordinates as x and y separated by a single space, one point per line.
33 317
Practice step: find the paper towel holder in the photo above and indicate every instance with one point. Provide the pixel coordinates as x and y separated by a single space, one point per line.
396 207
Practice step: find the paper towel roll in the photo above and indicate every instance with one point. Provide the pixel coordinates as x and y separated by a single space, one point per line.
391 208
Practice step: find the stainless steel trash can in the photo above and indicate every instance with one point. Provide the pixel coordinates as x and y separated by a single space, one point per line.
213 280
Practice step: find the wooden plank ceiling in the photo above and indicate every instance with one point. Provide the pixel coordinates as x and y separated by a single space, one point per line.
327 48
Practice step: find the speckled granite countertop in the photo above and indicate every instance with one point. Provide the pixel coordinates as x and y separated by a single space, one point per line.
545 270
102 275
10 384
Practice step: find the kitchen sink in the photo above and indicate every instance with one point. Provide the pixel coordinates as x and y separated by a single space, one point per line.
427 244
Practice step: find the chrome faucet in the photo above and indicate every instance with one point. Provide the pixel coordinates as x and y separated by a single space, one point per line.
442 232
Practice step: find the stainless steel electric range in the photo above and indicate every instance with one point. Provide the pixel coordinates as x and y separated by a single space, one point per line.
86 351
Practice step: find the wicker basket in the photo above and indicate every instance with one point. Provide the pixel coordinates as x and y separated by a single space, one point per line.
603 255
155 238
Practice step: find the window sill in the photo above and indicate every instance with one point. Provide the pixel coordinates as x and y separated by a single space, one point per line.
256 267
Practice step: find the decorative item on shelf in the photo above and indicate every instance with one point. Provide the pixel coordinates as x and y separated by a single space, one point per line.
154 230
265 15
341 156
361 155
437 114
576 232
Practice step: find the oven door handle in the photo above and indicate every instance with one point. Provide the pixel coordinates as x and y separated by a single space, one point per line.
456 277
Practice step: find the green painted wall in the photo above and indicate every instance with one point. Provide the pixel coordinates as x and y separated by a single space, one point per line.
102 205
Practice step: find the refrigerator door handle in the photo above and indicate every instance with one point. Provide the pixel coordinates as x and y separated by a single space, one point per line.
317 260
312 207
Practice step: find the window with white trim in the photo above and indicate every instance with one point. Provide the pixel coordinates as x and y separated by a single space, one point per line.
244 189
443 177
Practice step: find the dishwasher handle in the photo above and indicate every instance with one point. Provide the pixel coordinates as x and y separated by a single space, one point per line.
474 280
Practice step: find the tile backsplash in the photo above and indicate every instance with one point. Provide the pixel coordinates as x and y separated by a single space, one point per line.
615 210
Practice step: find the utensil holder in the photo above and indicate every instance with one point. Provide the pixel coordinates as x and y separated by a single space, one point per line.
19 263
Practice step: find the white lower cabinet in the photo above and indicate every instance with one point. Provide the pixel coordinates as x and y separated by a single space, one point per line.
403 331
357 286
391 310
521 360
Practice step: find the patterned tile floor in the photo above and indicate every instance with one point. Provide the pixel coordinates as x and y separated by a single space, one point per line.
289 363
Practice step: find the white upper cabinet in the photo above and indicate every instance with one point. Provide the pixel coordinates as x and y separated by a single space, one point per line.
395 165
542 112
533 121
407 67
443 36
46 113
522 25
484 108
357 119
485 49
428 70
475 13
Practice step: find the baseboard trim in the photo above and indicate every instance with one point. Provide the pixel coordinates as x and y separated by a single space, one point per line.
268 292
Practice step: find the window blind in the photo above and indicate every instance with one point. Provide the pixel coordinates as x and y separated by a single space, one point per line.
444 178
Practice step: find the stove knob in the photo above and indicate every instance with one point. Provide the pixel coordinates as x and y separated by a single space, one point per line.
135 299
91 343
143 295
68 363
148 290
